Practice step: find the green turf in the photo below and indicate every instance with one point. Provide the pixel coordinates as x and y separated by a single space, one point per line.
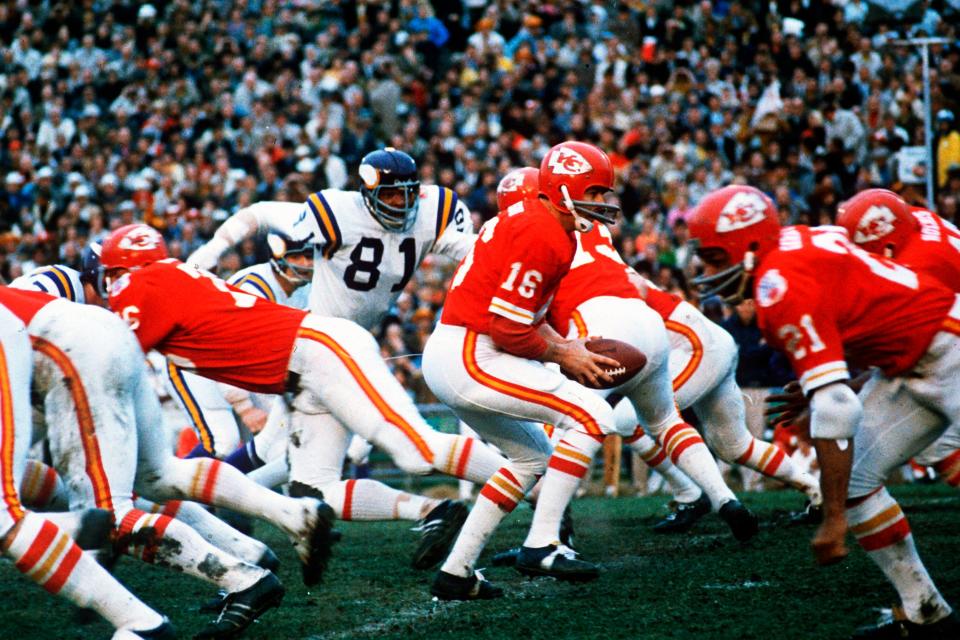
703 585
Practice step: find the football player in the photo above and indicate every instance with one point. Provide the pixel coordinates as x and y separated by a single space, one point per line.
367 246
486 360
331 366
830 305
881 222
38 547
701 364
104 437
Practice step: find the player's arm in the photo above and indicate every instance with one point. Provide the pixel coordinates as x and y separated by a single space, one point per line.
242 225
241 401
799 325
456 238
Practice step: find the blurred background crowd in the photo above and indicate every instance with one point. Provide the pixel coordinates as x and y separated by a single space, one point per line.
178 113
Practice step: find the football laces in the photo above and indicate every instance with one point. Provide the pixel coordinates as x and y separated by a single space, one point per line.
616 372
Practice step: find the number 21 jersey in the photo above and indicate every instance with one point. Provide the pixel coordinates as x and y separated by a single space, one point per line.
826 302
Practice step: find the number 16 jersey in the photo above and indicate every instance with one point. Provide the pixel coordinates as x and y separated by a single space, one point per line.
360 268
826 302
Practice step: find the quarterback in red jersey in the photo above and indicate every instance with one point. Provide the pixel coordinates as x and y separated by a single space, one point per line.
826 302
486 361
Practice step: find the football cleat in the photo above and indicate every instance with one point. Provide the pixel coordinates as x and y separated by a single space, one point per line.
685 516
742 522
313 544
269 560
943 629
555 561
810 514
506 558
94 530
566 528
163 632
241 608
447 586
438 529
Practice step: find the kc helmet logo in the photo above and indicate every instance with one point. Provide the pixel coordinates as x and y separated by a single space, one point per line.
568 162
140 239
510 184
744 209
876 223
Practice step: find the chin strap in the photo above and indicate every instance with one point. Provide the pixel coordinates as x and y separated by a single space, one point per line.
583 225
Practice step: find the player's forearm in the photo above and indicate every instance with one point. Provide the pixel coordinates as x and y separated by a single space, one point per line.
836 459
521 340
237 228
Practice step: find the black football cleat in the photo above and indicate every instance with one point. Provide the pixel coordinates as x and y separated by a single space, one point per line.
742 522
447 586
555 561
810 514
945 629
566 528
314 547
438 529
269 560
163 632
684 516
93 533
506 558
241 608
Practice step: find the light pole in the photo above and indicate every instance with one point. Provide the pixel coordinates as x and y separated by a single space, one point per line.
925 44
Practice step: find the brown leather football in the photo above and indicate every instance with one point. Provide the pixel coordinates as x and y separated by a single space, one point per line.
631 360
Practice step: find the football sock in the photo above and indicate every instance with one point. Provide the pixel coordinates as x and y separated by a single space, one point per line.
211 528
464 457
498 497
271 475
50 558
159 539
772 461
42 489
371 500
686 449
245 458
569 463
949 469
684 489
882 530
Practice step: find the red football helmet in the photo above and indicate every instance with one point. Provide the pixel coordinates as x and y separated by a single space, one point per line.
734 226
568 171
878 220
131 247
519 184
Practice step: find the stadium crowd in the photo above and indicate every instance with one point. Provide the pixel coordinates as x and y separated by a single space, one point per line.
180 113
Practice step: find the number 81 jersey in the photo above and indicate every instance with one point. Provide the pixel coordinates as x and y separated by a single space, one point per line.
826 302
360 268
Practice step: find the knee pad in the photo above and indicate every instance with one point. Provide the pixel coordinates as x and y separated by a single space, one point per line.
835 412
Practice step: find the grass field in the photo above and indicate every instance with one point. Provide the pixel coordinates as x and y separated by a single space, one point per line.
702 585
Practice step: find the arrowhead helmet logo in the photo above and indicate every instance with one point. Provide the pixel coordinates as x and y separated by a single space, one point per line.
876 223
140 239
743 210
510 183
565 161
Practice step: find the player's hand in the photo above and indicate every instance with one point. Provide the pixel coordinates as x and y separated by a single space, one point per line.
584 365
829 544
786 406
254 419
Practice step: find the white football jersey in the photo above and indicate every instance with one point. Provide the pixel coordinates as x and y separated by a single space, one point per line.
360 267
261 281
56 280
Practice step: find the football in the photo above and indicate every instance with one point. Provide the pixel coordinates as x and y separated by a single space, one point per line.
631 360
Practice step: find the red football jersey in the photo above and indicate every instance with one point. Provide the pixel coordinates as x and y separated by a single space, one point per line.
826 302
661 301
934 249
513 270
24 304
203 324
597 270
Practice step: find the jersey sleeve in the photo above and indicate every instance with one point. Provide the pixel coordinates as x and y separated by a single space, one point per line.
455 235
796 319
528 277
244 224
320 216
139 300
253 283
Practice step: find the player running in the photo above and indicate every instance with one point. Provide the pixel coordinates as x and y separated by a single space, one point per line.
830 306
